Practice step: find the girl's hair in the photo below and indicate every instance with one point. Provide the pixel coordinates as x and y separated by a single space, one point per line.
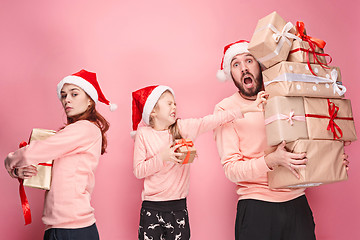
173 128
95 117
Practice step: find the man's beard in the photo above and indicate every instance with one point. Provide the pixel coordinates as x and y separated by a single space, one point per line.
253 92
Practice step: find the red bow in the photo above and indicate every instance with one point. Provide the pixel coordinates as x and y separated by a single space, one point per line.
187 144
332 126
301 32
24 201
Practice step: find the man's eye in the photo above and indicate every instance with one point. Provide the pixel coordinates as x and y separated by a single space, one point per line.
74 94
63 96
249 61
236 65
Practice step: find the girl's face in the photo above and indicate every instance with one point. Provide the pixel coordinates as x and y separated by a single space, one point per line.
74 100
164 113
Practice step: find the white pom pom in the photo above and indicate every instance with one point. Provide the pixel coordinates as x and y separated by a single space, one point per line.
132 134
113 107
220 75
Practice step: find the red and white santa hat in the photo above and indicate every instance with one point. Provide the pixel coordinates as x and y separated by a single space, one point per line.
86 81
230 51
144 101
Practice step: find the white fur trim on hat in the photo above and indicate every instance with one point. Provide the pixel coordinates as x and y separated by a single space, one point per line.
80 82
152 100
233 50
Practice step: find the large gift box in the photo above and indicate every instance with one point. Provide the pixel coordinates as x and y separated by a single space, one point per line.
187 149
285 120
43 178
272 40
325 165
301 52
296 79
329 119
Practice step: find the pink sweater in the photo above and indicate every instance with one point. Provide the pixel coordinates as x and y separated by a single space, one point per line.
76 150
241 145
166 180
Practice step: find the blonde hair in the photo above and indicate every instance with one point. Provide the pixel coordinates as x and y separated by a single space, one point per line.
173 128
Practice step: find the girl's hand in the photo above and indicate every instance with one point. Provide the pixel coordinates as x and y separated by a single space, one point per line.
168 153
281 157
257 106
25 172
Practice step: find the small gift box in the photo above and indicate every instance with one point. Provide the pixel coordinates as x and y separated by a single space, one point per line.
285 120
329 119
309 49
296 79
272 40
302 52
187 149
43 178
325 165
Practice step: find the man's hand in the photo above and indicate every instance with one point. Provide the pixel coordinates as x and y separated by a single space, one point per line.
281 157
258 105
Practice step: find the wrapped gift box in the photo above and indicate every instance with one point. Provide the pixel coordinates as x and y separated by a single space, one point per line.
329 119
272 40
285 120
296 79
188 150
301 52
43 178
325 165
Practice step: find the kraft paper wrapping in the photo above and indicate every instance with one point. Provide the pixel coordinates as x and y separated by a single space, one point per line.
295 79
285 120
271 41
318 127
300 56
325 165
43 178
185 149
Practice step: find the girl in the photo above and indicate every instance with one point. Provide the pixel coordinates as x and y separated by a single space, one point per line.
76 150
166 182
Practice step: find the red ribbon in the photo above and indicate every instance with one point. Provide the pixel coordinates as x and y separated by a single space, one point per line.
187 144
24 201
313 42
332 126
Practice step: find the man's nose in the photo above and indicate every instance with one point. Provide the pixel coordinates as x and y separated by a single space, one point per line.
244 67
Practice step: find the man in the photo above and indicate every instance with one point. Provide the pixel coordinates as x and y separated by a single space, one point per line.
262 213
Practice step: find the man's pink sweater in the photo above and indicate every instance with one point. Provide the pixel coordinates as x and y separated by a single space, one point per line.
76 150
166 180
241 145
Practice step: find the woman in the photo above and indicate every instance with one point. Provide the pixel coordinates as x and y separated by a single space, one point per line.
76 150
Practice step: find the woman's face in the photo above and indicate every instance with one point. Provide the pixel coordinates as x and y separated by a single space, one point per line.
74 100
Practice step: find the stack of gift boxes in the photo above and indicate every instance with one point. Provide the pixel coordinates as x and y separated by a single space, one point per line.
306 108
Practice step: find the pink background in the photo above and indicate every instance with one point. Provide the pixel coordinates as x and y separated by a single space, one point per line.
131 44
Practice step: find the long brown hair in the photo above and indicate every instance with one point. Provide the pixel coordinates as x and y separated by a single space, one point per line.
95 117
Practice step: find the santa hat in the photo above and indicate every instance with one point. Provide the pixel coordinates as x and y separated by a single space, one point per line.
144 101
230 51
86 81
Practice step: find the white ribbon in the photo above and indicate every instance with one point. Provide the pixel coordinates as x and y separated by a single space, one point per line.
296 77
279 37
339 89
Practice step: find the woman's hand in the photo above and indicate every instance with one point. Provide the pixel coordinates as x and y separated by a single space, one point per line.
281 157
168 153
25 172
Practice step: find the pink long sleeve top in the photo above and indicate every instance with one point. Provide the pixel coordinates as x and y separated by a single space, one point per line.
76 150
241 145
166 180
